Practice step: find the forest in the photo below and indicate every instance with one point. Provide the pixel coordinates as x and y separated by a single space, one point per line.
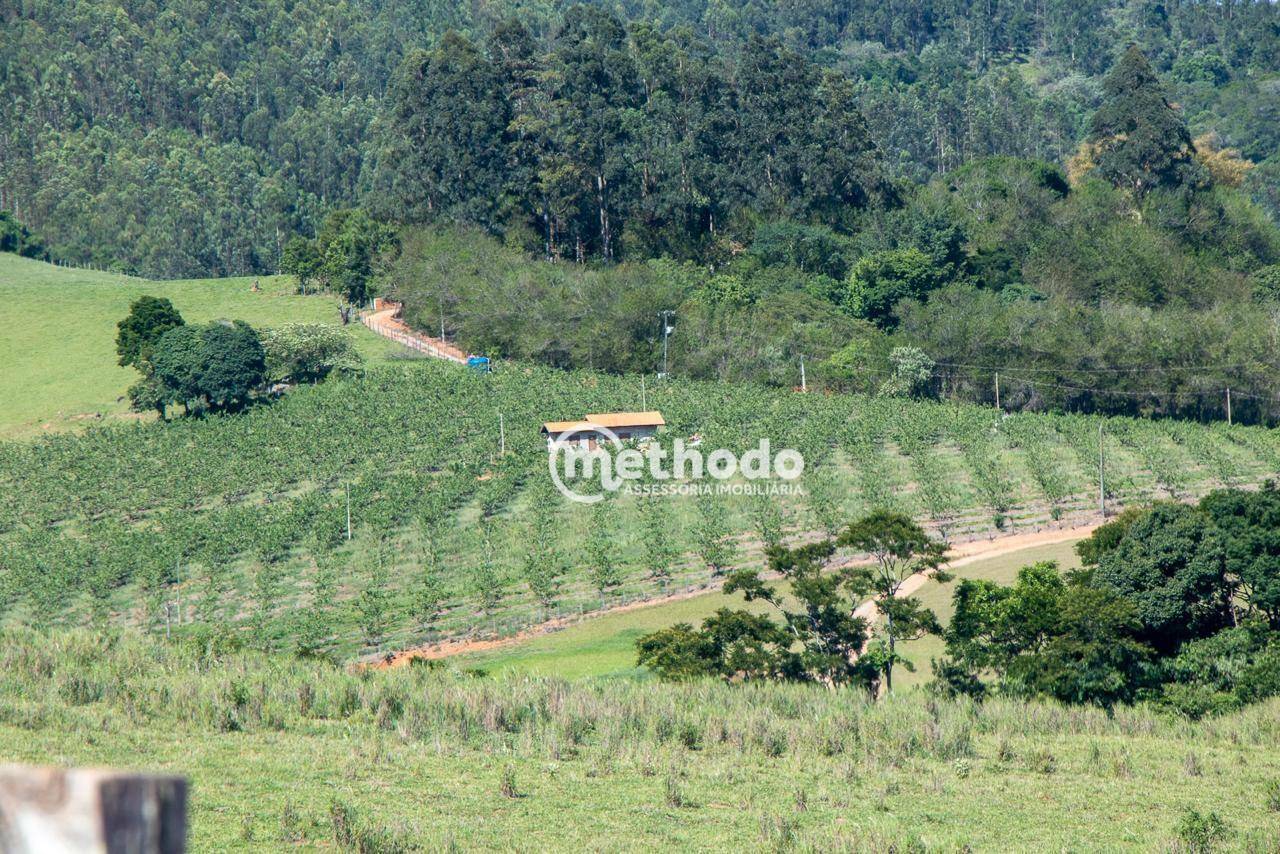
1078 199
195 138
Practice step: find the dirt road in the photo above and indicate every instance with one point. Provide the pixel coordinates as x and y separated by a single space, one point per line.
962 554
385 323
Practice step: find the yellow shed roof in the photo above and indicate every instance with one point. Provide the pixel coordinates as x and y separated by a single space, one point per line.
612 420
627 419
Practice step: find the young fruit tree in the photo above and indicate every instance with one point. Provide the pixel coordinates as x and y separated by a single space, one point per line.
899 549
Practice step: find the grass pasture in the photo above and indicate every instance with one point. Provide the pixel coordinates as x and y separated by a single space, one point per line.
59 343
282 753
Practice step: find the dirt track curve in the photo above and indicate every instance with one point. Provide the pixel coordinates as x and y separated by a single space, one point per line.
962 554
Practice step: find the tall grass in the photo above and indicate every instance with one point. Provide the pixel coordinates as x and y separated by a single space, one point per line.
76 678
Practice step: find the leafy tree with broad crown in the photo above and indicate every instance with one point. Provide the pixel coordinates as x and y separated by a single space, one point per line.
1172 563
217 364
149 318
879 281
307 352
301 259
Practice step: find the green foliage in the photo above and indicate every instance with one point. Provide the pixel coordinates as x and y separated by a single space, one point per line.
812 248
1107 536
601 549
711 534
1265 282
348 245
486 581
543 562
595 140
899 549
429 589
1046 635
1142 141
730 644
373 605
301 258
660 552
1228 670
1171 563
419 441
313 634
912 371
878 282
307 352
1202 833
217 365
1175 605
818 637
1201 67
793 747
1250 526
137 335
16 237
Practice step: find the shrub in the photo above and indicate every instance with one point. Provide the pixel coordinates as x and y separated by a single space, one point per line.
308 352
1201 834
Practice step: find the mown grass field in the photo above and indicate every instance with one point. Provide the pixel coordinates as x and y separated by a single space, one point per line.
58 346
286 754
605 646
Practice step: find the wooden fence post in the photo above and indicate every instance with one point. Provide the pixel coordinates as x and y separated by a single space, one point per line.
65 810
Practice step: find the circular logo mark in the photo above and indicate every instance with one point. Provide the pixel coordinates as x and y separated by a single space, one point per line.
584 445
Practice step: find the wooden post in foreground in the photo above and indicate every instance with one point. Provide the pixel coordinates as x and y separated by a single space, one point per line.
97 810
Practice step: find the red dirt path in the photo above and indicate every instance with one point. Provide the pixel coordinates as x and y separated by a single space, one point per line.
962 554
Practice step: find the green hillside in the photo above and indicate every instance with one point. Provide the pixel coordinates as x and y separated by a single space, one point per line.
242 521
59 343
284 754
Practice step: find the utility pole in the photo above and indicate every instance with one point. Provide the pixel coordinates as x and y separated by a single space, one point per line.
804 385
1228 407
348 511
997 389
1102 474
644 399
666 333
502 435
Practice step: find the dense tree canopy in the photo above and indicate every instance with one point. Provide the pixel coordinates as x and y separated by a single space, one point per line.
1140 142
605 142
1155 614
197 138
216 365
149 318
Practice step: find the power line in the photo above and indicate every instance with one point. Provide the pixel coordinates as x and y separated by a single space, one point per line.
1154 369
1121 393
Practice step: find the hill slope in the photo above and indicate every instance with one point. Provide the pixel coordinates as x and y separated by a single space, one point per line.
413 759
235 520
58 349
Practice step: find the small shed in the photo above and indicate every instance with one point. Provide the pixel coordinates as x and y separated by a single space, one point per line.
588 433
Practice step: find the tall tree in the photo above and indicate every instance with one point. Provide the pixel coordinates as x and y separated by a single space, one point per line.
442 151
594 96
1172 564
1141 141
136 335
899 549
